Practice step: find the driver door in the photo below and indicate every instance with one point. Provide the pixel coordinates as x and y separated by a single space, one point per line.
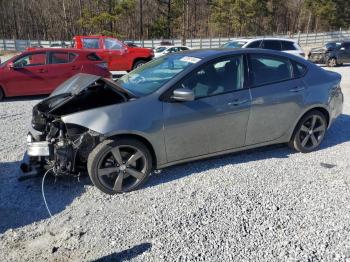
217 119
29 75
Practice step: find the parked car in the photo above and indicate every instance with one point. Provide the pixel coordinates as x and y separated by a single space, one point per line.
332 54
130 44
182 107
40 71
118 55
59 44
279 44
164 50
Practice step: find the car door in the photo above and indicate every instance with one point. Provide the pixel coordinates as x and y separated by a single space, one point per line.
344 53
277 97
28 75
217 119
60 67
116 53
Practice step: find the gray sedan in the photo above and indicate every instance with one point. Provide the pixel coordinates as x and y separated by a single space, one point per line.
179 108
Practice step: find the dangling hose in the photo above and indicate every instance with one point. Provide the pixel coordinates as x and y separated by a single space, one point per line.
43 193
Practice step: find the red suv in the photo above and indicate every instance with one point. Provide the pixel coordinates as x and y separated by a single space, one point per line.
118 55
40 71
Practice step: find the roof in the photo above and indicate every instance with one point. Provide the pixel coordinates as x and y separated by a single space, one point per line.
45 49
263 38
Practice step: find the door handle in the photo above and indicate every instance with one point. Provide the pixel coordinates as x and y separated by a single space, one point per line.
42 70
75 68
297 89
237 102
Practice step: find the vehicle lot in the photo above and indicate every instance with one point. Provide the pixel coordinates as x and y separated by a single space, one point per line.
265 204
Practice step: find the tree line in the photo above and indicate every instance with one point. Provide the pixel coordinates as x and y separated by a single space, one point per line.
154 19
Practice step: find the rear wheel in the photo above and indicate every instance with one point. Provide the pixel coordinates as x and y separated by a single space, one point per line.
332 62
309 132
139 63
2 94
119 166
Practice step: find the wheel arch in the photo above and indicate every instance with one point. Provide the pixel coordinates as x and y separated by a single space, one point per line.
2 87
142 140
321 109
146 59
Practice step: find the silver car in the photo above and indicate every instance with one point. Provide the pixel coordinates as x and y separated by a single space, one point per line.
179 108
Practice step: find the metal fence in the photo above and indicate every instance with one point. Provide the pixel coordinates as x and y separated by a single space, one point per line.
305 40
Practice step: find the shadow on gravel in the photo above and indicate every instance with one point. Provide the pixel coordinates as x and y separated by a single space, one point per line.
339 133
127 254
21 203
23 98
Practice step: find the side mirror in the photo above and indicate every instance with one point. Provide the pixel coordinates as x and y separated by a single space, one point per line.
183 94
11 66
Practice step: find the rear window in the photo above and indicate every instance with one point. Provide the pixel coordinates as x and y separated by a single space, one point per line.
288 45
272 44
299 69
94 57
59 58
91 43
254 44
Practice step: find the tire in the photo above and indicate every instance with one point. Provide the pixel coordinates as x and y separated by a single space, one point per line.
139 63
2 94
114 172
332 62
309 132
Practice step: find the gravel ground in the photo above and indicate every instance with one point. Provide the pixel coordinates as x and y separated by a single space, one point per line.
268 204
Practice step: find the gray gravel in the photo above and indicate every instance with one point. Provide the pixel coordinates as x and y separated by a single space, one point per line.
269 204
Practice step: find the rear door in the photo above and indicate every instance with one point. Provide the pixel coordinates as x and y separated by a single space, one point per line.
61 66
277 97
116 54
217 119
29 75
344 53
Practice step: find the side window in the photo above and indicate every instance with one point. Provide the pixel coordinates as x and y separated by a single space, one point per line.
299 69
91 43
59 57
184 48
272 44
288 45
216 78
112 44
31 60
254 44
72 57
267 69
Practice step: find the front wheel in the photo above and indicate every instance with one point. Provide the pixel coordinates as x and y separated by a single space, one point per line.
309 133
118 166
332 62
139 63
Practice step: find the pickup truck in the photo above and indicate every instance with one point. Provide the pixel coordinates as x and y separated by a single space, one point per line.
119 56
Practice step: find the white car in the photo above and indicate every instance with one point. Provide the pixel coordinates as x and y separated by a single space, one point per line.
280 44
163 50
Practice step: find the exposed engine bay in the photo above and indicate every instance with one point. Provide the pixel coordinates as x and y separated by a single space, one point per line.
64 148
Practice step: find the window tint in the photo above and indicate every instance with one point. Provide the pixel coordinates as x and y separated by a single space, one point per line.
72 57
272 44
59 58
288 45
299 69
94 57
112 44
184 48
91 43
346 45
254 44
268 69
216 78
31 60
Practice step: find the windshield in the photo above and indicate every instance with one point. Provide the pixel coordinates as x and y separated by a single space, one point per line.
234 44
333 46
153 75
160 49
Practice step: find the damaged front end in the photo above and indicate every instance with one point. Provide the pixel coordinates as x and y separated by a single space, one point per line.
65 148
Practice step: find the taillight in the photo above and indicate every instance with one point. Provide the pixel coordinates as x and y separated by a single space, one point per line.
103 65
